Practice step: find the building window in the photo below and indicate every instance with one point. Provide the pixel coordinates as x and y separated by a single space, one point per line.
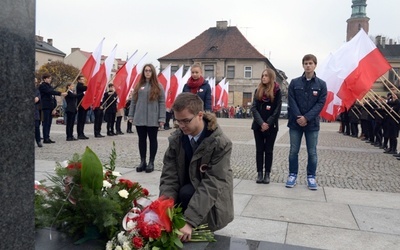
208 71
185 69
174 69
230 72
248 72
246 99
393 78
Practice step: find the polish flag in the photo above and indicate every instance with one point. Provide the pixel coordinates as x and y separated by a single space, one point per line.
183 81
225 95
89 70
220 89
350 73
174 84
121 82
103 77
136 74
211 82
131 79
164 78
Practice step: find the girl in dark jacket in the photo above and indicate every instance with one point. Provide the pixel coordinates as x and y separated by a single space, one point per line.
266 109
197 85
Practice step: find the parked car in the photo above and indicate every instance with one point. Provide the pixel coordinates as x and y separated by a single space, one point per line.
284 113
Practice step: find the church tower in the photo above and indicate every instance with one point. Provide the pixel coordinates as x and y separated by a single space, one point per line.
358 19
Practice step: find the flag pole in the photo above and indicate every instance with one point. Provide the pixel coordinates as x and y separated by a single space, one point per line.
362 105
359 112
369 104
377 102
355 113
110 103
392 85
390 109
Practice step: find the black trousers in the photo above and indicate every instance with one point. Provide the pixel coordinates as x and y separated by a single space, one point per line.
167 119
118 124
98 120
185 194
69 129
81 120
354 129
144 132
47 120
110 118
37 130
264 149
128 126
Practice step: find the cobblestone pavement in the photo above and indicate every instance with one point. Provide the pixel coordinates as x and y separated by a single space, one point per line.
343 161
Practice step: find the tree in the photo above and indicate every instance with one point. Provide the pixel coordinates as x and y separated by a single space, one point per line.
60 72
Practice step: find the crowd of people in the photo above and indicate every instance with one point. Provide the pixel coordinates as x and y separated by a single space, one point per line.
379 119
196 169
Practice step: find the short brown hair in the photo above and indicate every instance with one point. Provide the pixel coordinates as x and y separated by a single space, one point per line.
45 76
309 57
189 101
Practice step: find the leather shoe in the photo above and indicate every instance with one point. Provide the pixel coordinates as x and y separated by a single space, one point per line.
48 141
83 137
150 167
99 136
120 133
39 144
142 166
71 139
398 158
110 134
259 177
266 179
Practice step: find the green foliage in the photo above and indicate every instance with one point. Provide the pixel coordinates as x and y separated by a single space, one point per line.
92 171
71 205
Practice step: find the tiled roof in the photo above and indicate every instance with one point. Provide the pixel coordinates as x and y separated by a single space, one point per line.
216 43
390 51
44 46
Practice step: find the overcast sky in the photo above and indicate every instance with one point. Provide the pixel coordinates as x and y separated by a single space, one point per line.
283 30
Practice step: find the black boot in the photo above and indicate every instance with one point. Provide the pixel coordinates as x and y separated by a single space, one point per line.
142 166
266 178
150 167
259 178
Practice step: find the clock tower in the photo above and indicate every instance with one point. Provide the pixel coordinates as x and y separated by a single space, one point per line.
358 19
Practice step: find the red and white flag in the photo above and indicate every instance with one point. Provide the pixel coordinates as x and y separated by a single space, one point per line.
183 81
103 77
135 75
219 88
225 96
350 73
89 70
211 82
171 94
164 78
121 82
131 80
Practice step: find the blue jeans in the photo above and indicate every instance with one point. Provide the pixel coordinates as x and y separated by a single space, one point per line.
295 142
